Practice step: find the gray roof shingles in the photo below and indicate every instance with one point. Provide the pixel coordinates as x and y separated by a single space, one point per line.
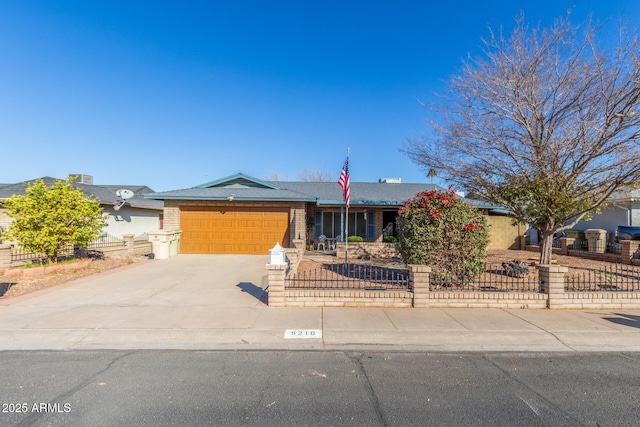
362 193
105 193
323 193
223 193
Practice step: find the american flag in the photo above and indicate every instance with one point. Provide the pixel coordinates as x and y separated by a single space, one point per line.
345 182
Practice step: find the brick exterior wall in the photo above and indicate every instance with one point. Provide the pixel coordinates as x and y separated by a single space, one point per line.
171 215
297 217
347 298
601 300
503 234
529 300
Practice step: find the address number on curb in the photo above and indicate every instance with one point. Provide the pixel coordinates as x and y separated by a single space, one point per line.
303 333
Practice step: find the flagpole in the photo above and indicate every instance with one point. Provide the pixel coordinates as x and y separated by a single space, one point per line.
346 228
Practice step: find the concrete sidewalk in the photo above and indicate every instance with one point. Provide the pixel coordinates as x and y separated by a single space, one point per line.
214 302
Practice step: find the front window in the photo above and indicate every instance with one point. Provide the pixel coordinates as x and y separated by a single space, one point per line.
330 224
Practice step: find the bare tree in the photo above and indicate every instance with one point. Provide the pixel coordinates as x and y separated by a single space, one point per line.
315 175
271 176
546 122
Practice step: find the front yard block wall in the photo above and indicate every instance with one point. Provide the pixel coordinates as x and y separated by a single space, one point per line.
451 299
628 248
599 300
296 214
347 298
552 294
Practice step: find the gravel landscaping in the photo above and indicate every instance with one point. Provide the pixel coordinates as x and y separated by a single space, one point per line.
11 285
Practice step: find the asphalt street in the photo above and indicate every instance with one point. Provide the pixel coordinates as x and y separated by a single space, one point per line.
275 388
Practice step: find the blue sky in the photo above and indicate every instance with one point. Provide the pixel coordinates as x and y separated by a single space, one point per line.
175 94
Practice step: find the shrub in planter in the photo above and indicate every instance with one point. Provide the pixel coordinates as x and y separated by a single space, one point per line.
440 230
389 239
354 239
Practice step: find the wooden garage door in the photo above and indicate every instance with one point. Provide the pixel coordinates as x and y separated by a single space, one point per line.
209 230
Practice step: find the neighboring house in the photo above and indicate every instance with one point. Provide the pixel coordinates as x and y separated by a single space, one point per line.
622 209
245 215
137 215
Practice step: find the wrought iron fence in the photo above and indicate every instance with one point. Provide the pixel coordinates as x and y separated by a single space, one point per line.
491 278
350 276
21 254
617 277
597 246
105 241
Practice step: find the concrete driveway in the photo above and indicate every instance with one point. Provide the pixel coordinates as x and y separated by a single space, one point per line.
156 304
214 302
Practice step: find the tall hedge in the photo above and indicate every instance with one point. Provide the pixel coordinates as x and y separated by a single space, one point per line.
441 230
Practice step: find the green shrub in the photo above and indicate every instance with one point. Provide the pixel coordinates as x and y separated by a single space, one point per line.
389 239
440 230
47 219
354 239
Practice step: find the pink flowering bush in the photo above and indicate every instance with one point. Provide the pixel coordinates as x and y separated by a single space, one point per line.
443 231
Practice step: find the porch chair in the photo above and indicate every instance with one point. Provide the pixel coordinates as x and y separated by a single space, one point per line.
321 242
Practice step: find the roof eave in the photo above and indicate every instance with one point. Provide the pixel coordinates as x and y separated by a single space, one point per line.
234 198
371 203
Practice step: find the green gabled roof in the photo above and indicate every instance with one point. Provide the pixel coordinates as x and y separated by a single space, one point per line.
238 180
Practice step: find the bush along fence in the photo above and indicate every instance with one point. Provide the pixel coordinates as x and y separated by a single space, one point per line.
497 286
12 256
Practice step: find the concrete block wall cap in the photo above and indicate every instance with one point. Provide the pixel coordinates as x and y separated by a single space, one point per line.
276 266
553 268
420 268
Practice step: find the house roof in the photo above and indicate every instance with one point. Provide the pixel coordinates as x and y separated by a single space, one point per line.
235 187
362 193
625 194
245 187
105 193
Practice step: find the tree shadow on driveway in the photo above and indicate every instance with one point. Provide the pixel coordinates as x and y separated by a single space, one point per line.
4 287
625 320
255 291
